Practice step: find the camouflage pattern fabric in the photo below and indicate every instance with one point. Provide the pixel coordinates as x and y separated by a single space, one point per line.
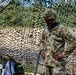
54 42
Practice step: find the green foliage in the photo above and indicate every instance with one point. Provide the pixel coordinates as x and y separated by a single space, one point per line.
66 14
17 15
10 15
29 67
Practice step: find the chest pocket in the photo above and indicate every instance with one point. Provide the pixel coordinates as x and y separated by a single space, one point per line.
57 41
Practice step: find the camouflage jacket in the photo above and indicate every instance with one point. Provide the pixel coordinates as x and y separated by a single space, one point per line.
54 42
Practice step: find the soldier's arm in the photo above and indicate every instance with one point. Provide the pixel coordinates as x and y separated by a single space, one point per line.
42 45
70 49
71 40
67 36
43 41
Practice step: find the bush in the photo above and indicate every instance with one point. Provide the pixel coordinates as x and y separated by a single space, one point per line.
66 14
17 15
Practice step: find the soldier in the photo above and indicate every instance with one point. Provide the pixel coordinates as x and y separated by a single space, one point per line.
54 39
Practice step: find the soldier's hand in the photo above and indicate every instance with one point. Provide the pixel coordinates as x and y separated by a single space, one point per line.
43 54
59 57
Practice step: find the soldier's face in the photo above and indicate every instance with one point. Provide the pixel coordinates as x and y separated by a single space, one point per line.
50 21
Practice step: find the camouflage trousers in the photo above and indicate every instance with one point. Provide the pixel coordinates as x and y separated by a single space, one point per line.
57 70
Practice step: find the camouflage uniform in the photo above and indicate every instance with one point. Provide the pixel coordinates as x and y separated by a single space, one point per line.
54 42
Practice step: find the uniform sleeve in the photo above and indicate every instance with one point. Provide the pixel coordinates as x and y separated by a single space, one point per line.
42 41
70 41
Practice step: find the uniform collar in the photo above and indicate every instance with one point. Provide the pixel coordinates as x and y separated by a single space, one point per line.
53 26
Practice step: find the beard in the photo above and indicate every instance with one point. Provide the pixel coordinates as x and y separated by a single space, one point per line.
52 26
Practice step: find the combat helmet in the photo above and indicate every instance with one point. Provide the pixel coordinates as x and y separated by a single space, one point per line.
49 13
